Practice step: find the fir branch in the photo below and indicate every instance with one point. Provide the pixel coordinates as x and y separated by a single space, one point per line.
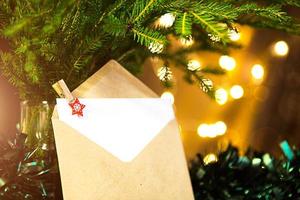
147 37
183 24
110 11
114 26
293 2
142 7
71 39
273 13
211 26
220 10
216 71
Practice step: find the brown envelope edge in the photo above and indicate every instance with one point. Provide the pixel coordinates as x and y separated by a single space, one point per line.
113 81
173 158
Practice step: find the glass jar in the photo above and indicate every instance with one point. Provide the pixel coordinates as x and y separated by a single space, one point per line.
35 122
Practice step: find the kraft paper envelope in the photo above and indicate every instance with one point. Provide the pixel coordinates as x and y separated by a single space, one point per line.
121 148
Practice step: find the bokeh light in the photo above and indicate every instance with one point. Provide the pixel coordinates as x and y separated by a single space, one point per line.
203 130
156 47
212 130
236 92
257 71
187 41
221 96
234 35
194 65
226 62
220 127
281 48
167 20
168 96
210 158
164 74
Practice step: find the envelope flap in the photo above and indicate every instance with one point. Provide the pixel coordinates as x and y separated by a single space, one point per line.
113 81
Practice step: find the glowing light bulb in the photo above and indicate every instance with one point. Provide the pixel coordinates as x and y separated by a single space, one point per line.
210 158
203 130
168 96
221 96
256 161
236 92
220 127
156 47
227 62
194 65
206 85
281 48
187 41
212 130
164 74
167 20
257 71
234 35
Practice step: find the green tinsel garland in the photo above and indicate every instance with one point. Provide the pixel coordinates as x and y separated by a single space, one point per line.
257 175
28 173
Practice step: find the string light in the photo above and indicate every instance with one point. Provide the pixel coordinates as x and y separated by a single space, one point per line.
281 48
194 65
226 62
210 158
206 85
156 47
168 96
234 35
187 41
164 74
256 161
221 96
237 92
212 130
220 127
257 71
204 130
167 20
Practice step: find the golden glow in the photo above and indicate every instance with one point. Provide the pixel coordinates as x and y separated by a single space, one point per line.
194 65
210 158
234 35
281 48
221 96
167 20
168 96
257 71
212 130
227 62
237 92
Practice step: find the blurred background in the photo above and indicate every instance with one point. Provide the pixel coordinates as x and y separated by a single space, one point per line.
257 100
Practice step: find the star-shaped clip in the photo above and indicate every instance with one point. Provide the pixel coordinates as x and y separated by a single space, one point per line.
77 107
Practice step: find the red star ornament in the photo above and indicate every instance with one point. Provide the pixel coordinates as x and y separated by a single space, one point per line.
77 107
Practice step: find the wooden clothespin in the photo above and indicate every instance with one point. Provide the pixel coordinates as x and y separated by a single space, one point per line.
63 91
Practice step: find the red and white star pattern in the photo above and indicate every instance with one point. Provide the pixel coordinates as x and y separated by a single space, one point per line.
77 107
